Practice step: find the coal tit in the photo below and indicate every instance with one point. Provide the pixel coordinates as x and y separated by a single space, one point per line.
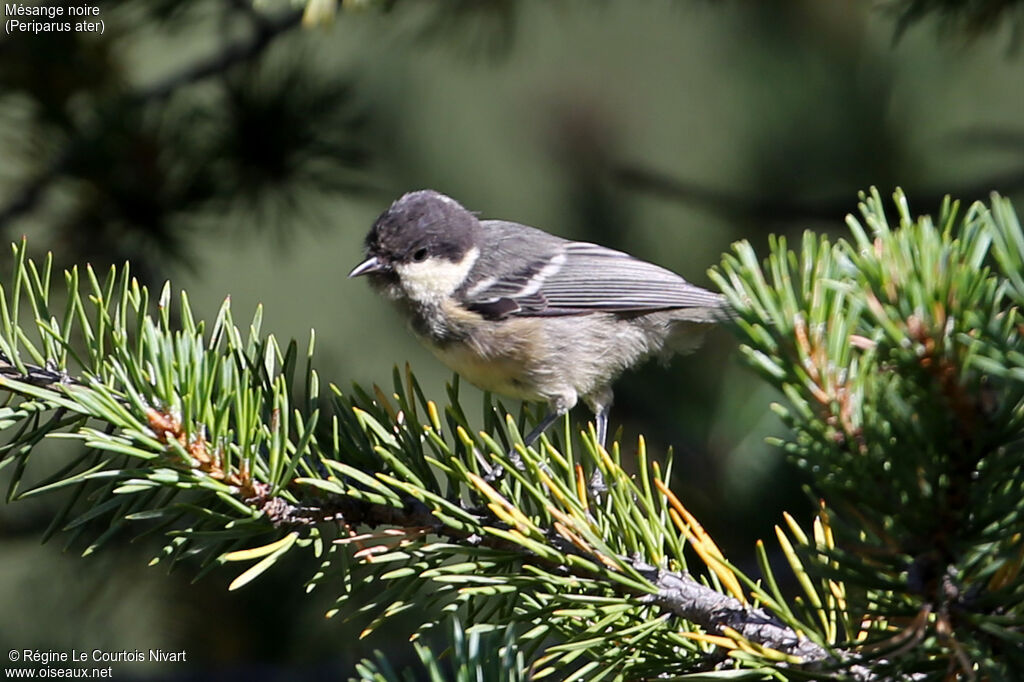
526 314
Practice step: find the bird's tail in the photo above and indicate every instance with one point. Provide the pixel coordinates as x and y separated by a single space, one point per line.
691 324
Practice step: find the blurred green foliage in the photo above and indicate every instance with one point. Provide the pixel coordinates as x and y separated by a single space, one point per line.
223 144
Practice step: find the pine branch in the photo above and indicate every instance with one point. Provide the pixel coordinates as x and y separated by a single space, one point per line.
216 439
675 592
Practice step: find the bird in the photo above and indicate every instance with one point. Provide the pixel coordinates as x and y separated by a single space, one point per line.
523 313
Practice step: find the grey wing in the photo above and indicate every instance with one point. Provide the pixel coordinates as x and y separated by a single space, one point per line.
574 278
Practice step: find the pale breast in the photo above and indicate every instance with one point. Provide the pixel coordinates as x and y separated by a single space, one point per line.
503 376
500 358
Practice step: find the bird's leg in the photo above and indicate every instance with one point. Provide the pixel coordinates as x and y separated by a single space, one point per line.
550 418
547 421
601 409
601 425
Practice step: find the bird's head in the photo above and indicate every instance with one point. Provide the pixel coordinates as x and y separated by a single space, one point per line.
421 248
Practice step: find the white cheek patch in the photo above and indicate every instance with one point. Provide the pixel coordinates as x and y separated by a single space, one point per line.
435 279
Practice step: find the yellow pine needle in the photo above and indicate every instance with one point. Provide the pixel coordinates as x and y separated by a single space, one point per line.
608 562
582 545
833 591
435 418
554 456
838 591
581 487
562 516
564 522
540 669
804 579
756 649
367 536
865 629
573 538
716 640
705 547
500 512
403 536
819 532
257 552
741 642
798 569
823 537
464 436
485 488
512 515
609 463
368 552
550 485
829 539
702 551
795 529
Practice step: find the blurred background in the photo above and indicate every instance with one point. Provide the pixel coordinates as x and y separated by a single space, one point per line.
227 147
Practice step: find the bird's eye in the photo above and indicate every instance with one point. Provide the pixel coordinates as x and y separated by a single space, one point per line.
419 255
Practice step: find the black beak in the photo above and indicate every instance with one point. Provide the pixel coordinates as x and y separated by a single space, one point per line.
371 264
